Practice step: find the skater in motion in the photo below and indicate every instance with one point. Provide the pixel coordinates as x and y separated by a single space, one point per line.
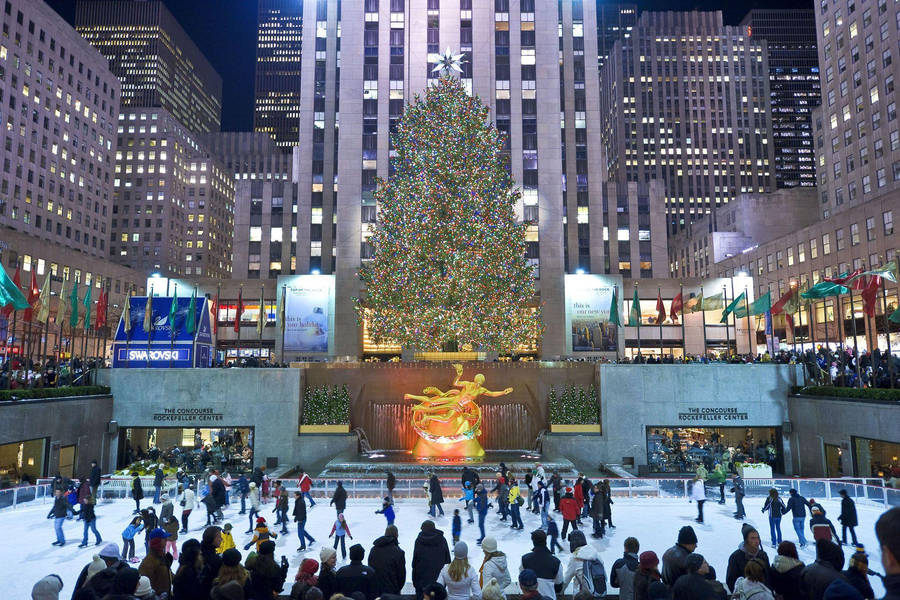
133 528
339 530
58 513
848 518
776 509
698 495
737 486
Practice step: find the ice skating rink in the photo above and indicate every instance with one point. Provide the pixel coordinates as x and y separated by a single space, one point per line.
27 554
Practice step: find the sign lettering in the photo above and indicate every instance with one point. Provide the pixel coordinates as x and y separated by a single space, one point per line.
175 415
713 413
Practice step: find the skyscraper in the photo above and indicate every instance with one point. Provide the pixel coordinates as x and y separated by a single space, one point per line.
614 23
278 68
794 86
686 100
155 60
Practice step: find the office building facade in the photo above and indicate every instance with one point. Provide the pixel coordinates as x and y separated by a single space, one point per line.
686 100
614 23
60 105
794 86
279 52
156 61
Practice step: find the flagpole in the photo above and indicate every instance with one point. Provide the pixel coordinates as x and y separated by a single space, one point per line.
840 323
727 328
749 333
809 324
638 319
150 330
126 328
825 320
284 314
799 319
855 342
887 330
46 323
172 325
703 314
683 341
661 349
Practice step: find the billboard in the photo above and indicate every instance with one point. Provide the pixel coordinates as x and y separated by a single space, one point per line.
308 313
588 300
170 345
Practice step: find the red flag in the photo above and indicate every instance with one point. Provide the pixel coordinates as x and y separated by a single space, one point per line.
660 310
778 307
102 304
214 314
870 295
677 306
858 284
34 292
789 321
8 309
842 280
239 311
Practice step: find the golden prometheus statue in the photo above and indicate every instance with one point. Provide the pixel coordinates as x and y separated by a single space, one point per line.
448 423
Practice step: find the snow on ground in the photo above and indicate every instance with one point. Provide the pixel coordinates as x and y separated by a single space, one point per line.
27 554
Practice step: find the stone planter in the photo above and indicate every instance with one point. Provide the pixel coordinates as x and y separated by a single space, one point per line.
585 428
345 428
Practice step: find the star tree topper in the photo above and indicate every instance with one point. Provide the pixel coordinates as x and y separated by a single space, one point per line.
448 62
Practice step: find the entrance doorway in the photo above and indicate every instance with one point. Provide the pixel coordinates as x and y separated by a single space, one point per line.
834 466
191 448
67 455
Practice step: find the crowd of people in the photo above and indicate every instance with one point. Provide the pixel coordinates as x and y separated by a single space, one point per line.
16 373
671 451
231 452
215 567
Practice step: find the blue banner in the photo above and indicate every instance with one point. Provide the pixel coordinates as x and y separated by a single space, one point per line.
162 329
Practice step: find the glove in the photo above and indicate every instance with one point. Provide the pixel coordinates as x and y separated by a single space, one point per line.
169 559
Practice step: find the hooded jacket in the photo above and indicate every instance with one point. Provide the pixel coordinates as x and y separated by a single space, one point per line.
738 561
47 588
389 562
357 577
784 576
622 575
796 504
568 507
430 554
466 588
155 567
816 577
674 564
642 581
548 568
575 570
693 586
496 566
745 589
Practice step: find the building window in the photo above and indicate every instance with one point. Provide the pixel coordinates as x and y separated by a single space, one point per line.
887 218
870 228
854 234
826 244
839 241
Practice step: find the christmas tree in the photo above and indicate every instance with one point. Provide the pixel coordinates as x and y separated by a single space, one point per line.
449 268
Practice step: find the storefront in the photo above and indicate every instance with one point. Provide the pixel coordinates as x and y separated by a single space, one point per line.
191 448
23 461
876 458
683 449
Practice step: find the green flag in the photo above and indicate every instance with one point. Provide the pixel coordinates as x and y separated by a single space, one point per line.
634 317
10 294
712 302
887 271
740 301
73 305
693 304
895 316
614 309
190 320
87 308
173 312
761 305
824 289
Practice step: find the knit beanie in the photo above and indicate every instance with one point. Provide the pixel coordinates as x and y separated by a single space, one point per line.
693 562
747 529
267 547
95 567
839 589
357 552
460 550
326 554
47 588
687 536
231 557
648 560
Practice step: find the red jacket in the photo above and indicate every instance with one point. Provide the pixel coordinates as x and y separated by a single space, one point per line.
579 496
569 508
305 483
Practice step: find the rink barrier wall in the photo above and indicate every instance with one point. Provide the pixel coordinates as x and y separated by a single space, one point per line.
870 491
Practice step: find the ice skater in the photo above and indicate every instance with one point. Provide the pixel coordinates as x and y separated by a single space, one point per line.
737 486
339 530
553 534
137 491
698 495
133 528
469 498
437 496
848 518
387 509
58 513
776 509
90 521
261 534
187 503
456 525
253 496
300 519
305 486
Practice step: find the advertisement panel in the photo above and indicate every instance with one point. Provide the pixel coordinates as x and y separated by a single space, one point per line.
308 313
588 301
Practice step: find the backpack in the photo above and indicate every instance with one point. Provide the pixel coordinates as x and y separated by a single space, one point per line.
593 578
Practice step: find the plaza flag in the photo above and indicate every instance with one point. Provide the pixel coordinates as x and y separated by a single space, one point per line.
102 308
32 297
693 304
740 301
214 313
239 311
43 308
190 321
62 308
870 295
148 312
126 313
712 302
761 305
894 317
261 316
887 271
73 305
824 289
787 303
677 306
660 309
281 322
614 309
173 312
11 297
843 278
634 317
87 307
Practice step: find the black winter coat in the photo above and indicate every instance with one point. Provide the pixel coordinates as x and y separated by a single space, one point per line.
87 513
357 577
816 577
674 564
257 477
848 513
797 505
100 586
212 562
391 482
786 581
696 587
430 554
186 584
738 561
642 581
339 498
266 579
217 491
60 508
859 581
434 486
892 587
158 477
95 476
137 490
299 509
389 562
326 582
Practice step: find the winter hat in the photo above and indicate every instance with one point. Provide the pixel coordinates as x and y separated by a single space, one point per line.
165 497
143 587
527 578
252 485
231 557
859 557
492 591
309 566
788 549
267 547
489 545
830 552
47 588
357 552
326 554
260 521
648 560
428 525
686 535
539 537
816 510
747 529
839 589
111 550
227 527
126 581
576 540
157 533
227 591
341 517
657 591
693 562
95 567
460 550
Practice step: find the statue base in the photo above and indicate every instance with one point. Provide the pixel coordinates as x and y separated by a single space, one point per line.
470 448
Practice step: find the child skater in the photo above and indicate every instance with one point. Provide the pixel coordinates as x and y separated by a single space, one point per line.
134 528
339 530
387 509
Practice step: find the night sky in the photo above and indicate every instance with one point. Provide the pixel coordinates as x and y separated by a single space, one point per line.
225 30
